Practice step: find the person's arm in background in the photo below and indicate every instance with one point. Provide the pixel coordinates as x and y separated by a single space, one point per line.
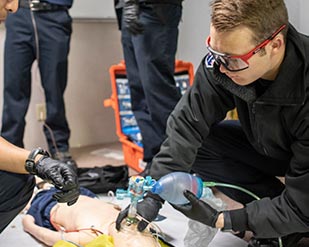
204 104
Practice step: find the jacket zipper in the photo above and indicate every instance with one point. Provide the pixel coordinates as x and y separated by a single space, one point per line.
255 130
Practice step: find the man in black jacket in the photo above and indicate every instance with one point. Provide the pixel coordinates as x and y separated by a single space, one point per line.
258 63
149 31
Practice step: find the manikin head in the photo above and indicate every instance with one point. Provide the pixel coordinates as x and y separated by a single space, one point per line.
247 38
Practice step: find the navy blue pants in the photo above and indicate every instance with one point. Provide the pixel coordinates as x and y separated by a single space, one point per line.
54 31
150 62
226 156
15 192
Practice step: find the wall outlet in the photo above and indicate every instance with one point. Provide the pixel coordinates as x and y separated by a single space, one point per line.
41 112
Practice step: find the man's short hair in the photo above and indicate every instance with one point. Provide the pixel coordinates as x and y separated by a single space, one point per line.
263 17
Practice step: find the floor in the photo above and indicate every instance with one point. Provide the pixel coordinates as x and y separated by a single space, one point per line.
175 224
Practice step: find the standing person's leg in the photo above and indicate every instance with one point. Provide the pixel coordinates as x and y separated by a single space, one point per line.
54 29
228 157
15 192
138 101
18 59
154 94
155 55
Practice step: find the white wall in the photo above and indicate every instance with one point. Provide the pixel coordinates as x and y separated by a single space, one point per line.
95 47
193 30
303 16
93 9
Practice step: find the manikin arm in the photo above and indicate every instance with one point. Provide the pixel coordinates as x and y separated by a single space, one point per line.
50 237
42 234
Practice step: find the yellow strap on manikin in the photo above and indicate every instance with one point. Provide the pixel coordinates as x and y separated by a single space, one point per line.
63 243
102 240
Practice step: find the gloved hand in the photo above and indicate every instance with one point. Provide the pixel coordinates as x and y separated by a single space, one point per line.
130 14
62 176
148 208
198 210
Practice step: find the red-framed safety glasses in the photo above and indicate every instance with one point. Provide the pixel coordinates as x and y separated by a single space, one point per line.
238 63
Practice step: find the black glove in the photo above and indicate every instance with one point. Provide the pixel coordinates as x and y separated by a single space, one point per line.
130 14
62 176
198 210
148 208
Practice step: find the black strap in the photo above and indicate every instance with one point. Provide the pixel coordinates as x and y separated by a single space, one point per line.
30 163
227 221
41 6
228 227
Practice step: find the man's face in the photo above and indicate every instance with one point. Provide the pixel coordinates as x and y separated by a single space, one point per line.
7 5
239 42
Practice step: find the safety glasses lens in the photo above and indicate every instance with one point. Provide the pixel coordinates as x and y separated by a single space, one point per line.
231 64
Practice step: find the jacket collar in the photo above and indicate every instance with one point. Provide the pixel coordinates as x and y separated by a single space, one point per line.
289 86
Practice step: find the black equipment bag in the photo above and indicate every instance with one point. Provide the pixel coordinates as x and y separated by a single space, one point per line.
103 179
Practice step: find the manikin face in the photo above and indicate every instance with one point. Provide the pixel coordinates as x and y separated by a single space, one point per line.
239 42
7 6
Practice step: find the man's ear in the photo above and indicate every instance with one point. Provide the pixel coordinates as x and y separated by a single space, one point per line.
277 42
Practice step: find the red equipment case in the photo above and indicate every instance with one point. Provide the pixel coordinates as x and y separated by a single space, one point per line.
126 127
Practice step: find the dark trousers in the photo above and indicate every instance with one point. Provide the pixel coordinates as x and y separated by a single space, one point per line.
227 156
150 62
15 192
54 32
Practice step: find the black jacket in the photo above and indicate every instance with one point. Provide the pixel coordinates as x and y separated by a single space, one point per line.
276 123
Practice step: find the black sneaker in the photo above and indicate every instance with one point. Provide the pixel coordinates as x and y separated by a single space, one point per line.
65 157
